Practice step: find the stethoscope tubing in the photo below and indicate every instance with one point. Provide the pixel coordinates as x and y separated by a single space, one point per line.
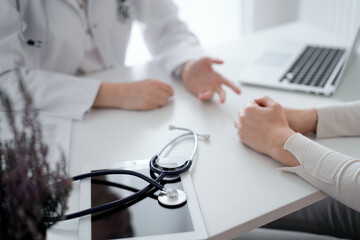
115 203
181 136
118 171
168 171
119 186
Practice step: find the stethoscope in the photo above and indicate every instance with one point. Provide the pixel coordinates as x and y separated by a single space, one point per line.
123 16
168 197
33 42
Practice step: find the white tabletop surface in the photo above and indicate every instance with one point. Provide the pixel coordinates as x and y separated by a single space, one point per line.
238 189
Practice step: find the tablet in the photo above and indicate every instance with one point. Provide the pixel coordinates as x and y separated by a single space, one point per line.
145 219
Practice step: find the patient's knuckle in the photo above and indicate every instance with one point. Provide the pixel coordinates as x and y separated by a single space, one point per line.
248 110
242 118
277 106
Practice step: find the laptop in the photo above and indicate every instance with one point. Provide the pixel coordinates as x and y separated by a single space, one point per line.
301 67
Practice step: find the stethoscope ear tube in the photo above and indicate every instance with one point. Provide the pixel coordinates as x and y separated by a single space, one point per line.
115 203
118 171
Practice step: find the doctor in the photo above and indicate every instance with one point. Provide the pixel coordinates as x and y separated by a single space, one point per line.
56 41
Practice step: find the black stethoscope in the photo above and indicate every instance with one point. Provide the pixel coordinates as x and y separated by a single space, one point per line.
123 13
167 197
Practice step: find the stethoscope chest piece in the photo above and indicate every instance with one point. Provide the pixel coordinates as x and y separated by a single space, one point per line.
172 198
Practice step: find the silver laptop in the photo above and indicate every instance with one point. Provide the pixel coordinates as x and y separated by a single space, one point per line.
301 67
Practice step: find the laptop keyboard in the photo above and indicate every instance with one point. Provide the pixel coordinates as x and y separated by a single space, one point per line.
314 66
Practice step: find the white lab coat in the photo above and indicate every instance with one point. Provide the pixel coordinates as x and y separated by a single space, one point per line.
49 71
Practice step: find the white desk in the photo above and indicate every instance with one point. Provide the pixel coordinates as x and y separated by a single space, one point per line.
238 189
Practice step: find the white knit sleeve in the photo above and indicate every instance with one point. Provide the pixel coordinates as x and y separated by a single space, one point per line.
331 172
339 120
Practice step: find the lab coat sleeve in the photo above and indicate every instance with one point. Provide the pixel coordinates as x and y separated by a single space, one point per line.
339 120
167 37
335 174
54 93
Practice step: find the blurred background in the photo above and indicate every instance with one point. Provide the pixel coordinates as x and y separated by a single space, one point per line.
216 22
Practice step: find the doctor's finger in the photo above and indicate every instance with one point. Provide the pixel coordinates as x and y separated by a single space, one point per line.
209 60
231 85
160 100
207 95
151 106
216 61
161 93
221 93
166 88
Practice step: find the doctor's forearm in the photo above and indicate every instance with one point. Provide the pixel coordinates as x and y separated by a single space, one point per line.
138 95
105 95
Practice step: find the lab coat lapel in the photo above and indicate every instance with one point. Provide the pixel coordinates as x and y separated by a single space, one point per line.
74 4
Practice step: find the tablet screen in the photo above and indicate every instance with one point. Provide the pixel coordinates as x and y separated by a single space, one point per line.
143 218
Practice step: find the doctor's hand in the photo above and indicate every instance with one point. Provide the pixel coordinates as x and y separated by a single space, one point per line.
202 80
263 126
141 95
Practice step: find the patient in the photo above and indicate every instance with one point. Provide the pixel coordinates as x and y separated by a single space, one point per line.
269 128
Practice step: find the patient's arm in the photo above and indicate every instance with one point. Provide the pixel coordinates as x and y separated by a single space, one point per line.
334 173
332 121
263 126
339 120
302 120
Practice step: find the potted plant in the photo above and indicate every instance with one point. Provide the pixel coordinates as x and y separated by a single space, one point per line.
32 195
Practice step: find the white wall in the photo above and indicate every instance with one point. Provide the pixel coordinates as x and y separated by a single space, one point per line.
261 14
341 16
213 21
219 21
